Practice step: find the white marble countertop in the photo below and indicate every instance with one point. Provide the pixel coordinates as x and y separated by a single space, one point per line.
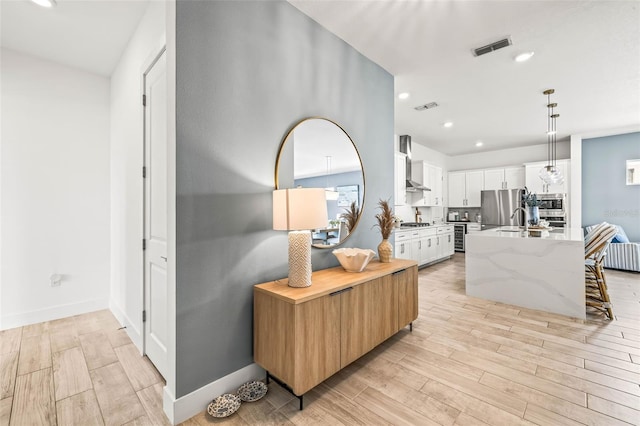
562 234
413 228
544 273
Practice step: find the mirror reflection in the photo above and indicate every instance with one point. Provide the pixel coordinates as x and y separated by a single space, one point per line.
318 153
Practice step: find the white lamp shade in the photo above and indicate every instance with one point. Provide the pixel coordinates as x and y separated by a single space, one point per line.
299 209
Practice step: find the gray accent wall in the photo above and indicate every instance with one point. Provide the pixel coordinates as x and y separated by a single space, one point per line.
605 196
246 72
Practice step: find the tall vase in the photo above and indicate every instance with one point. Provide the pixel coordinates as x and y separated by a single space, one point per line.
533 215
385 250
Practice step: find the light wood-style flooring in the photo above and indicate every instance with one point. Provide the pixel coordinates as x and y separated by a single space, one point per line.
81 370
467 362
473 362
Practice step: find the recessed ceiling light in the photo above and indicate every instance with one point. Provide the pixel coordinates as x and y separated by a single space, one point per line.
403 95
524 56
448 124
479 144
45 3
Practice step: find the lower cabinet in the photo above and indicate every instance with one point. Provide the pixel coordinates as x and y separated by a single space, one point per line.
445 242
304 335
369 316
425 245
404 247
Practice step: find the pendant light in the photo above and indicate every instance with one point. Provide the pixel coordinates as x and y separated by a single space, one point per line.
330 191
550 174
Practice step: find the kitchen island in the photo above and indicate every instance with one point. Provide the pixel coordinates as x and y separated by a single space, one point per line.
546 273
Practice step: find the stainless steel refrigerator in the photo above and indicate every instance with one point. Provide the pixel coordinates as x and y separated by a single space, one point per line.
498 206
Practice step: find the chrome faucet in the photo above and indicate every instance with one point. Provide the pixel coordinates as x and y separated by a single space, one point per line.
526 222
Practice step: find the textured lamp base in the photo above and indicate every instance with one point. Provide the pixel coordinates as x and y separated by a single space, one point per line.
299 259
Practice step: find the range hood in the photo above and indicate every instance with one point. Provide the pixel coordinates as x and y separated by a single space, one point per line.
405 148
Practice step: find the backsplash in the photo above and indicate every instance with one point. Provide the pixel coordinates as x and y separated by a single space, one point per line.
427 214
473 213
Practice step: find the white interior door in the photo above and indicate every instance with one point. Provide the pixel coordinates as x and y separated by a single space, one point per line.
156 324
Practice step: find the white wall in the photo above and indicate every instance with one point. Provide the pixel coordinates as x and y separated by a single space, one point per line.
126 170
55 190
507 157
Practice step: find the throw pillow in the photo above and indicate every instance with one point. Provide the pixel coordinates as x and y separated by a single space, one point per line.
620 236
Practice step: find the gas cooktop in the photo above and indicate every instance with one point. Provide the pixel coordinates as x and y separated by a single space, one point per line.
413 224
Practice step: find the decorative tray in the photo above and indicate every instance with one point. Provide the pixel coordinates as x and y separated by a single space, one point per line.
252 391
224 405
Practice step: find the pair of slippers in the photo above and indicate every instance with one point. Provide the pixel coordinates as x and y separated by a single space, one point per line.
228 403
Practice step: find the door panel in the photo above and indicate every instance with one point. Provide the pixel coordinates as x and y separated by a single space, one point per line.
155 271
369 316
317 346
407 284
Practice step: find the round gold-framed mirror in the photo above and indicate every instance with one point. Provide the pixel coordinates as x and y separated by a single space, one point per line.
318 153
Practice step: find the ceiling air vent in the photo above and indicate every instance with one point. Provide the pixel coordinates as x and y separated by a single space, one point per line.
426 106
492 47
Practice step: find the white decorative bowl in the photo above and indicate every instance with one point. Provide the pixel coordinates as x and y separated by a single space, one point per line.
354 259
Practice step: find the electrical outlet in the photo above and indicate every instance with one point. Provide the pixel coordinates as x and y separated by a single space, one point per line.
55 280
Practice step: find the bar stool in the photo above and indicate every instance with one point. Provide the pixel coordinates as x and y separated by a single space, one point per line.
596 243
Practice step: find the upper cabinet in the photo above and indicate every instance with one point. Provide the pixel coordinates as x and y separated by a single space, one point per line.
400 178
504 178
430 176
465 188
536 185
435 180
514 177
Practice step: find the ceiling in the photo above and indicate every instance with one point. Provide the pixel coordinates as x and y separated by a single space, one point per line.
89 34
588 51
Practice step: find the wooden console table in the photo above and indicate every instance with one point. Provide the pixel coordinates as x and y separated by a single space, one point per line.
304 335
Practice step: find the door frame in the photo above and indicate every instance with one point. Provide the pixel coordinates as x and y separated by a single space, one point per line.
166 43
148 67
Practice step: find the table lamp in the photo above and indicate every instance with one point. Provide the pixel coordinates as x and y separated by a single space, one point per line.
298 211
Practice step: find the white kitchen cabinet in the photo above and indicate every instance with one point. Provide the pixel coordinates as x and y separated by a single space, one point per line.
457 189
428 252
536 185
474 182
450 247
400 179
474 227
444 242
435 183
494 179
514 177
430 176
424 245
403 248
465 188
504 178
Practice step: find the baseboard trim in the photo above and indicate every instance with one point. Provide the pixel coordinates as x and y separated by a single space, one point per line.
53 313
185 407
132 331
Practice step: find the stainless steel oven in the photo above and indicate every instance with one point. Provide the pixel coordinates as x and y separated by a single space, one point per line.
553 209
552 204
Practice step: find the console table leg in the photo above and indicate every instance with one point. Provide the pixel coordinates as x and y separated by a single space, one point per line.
411 327
287 388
